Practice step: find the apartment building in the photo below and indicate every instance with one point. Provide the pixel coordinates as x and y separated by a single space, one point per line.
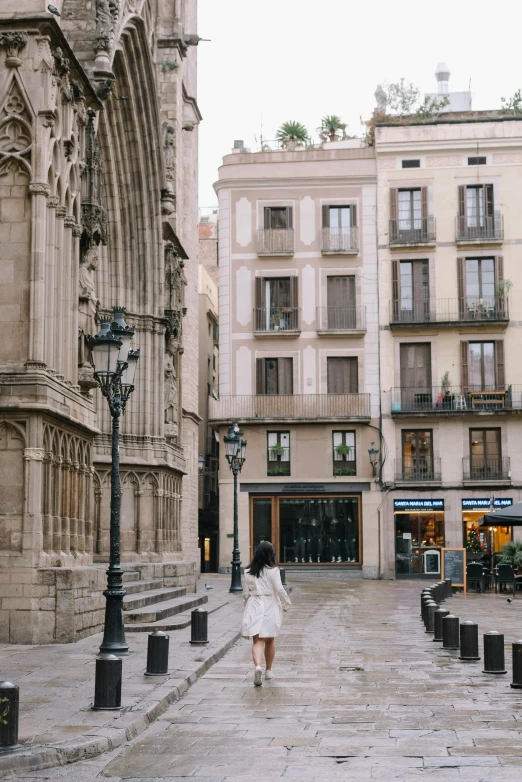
298 345
450 230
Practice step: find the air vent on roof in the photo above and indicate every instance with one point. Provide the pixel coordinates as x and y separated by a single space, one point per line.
476 161
411 163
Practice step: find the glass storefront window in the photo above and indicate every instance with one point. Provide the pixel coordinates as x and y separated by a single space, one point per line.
415 535
493 538
262 516
319 530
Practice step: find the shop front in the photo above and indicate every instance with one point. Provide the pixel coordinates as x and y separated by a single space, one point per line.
484 540
312 529
419 537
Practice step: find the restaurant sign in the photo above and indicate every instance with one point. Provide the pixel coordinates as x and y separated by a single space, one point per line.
418 504
486 503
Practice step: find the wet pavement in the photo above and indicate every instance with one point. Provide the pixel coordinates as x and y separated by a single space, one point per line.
360 692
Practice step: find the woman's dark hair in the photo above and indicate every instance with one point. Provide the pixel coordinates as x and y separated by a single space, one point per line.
264 556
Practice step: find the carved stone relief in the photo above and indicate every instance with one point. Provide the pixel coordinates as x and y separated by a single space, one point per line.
13 42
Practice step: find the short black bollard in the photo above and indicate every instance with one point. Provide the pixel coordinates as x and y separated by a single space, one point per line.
157 654
282 573
425 600
450 632
439 615
469 645
9 700
494 661
441 586
517 666
107 683
199 626
424 595
449 587
430 616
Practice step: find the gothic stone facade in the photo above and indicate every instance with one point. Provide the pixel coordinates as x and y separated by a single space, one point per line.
98 163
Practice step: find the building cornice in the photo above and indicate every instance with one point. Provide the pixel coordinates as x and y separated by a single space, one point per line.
354 180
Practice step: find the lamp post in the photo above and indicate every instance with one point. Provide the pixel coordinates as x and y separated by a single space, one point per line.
235 451
114 370
373 453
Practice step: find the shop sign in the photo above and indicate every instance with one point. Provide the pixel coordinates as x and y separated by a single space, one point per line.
311 487
486 504
418 504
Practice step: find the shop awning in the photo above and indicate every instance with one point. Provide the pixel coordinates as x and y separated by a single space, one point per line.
506 517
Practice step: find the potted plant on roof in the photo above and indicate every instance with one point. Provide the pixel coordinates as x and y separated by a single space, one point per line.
292 134
331 124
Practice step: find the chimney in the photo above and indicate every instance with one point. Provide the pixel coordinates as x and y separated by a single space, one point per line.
442 74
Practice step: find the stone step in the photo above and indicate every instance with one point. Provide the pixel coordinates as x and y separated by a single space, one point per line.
155 613
131 575
182 621
151 597
135 587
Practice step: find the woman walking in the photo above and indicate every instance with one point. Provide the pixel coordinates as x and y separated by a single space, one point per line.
265 600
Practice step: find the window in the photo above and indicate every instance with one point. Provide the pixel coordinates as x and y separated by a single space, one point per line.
417 454
276 304
411 163
339 231
319 529
482 373
476 205
476 161
278 453
274 376
278 217
340 297
485 453
342 376
410 210
339 216
344 453
415 361
480 280
409 221
411 291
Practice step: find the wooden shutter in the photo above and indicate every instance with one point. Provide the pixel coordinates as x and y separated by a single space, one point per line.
499 362
488 200
260 375
464 366
294 301
259 313
395 288
393 203
326 216
353 376
285 376
332 380
289 217
501 304
424 202
267 217
462 210
460 286
353 215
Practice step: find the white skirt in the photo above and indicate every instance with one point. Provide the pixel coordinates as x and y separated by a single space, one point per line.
263 616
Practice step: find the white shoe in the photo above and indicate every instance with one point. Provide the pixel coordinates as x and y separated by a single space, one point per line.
258 676
269 675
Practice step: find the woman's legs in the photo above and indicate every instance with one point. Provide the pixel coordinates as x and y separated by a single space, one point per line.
270 650
257 650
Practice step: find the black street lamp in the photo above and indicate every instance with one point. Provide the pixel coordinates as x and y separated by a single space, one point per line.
235 451
114 370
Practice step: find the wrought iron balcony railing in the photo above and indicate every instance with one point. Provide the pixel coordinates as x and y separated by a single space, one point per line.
340 240
341 318
282 407
418 469
421 231
469 310
278 462
486 468
481 229
275 241
276 320
455 399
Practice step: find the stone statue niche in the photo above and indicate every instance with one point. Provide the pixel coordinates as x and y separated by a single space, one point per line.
171 398
87 309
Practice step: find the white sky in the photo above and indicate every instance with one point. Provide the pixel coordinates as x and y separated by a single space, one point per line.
275 60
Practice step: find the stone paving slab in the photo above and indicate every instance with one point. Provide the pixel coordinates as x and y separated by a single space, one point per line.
412 712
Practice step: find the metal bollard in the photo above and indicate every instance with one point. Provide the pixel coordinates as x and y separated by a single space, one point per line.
199 626
442 591
282 573
517 666
107 683
425 600
430 614
9 702
469 644
439 615
449 587
450 632
494 661
157 654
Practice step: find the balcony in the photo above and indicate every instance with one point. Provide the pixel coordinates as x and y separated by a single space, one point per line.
341 321
342 467
276 321
278 462
275 241
250 408
449 312
403 234
418 469
491 229
486 469
439 400
340 241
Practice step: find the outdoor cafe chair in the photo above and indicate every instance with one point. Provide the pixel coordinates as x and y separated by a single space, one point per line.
475 576
506 577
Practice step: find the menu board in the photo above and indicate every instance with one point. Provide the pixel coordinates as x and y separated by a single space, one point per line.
454 566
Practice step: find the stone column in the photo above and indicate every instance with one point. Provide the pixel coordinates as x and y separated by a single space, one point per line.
40 192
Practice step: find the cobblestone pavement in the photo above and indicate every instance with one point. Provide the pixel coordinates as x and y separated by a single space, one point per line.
361 692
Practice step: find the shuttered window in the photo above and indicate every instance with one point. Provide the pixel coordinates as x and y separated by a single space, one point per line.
342 375
274 376
278 217
339 216
482 366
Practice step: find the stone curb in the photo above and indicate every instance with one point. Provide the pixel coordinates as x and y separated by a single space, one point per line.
131 723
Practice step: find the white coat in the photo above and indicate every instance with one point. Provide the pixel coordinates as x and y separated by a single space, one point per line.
264 598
